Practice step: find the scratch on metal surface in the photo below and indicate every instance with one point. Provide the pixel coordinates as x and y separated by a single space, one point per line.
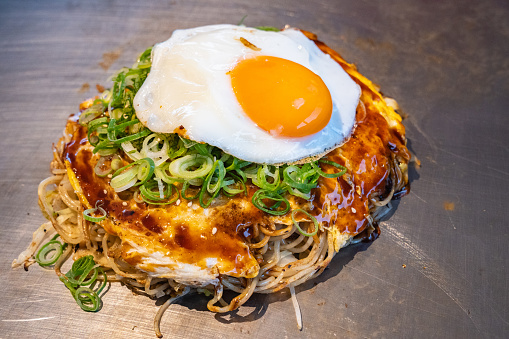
33 319
460 156
389 283
452 222
438 276
418 197
499 315
506 174
28 301
424 134
498 170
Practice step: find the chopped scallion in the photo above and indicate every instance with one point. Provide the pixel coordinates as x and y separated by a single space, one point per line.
87 214
296 224
50 252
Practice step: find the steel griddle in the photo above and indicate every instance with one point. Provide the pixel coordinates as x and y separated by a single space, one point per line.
440 267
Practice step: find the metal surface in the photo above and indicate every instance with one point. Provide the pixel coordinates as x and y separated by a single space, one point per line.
440 267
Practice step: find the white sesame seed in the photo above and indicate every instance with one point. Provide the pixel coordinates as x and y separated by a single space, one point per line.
105 192
214 230
189 204
110 176
178 202
124 203
354 210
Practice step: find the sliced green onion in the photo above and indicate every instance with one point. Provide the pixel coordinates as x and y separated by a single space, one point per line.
187 143
278 199
98 169
261 178
116 163
154 197
124 180
161 172
202 149
107 151
101 169
293 177
216 187
105 145
216 181
116 113
118 90
87 214
300 194
80 269
241 22
104 98
99 126
145 170
105 280
87 299
329 175
155 146
191 166
144 58
185 187
128 176
49 253
268 28
78 278
121 127
91 113
236 180
315 222
90 280
113 129
178 150
135 136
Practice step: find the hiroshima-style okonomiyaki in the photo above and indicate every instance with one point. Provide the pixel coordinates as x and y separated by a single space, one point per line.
226 158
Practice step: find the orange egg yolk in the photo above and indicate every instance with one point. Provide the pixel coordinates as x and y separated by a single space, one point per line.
282 97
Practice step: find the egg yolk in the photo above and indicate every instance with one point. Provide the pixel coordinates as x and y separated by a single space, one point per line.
282 97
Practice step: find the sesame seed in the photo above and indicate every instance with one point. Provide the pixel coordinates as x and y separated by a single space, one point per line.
178 202
214 230
189 204
110 176
124 203
105 192
354 210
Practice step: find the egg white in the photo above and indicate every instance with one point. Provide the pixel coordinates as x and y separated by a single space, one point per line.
189 86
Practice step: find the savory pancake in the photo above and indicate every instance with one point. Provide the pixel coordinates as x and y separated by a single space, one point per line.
166 248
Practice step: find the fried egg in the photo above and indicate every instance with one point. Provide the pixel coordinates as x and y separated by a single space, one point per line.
264 97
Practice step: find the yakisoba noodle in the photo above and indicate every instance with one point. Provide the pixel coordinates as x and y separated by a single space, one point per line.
347 208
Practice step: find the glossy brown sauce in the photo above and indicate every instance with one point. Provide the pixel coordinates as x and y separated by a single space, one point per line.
175 230
367 157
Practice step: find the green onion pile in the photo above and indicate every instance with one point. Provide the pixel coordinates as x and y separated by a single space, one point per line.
81 278
167 167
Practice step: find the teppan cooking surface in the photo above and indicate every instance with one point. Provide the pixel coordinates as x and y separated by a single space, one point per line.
440 266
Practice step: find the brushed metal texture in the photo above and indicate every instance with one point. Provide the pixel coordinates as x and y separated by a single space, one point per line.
441 265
